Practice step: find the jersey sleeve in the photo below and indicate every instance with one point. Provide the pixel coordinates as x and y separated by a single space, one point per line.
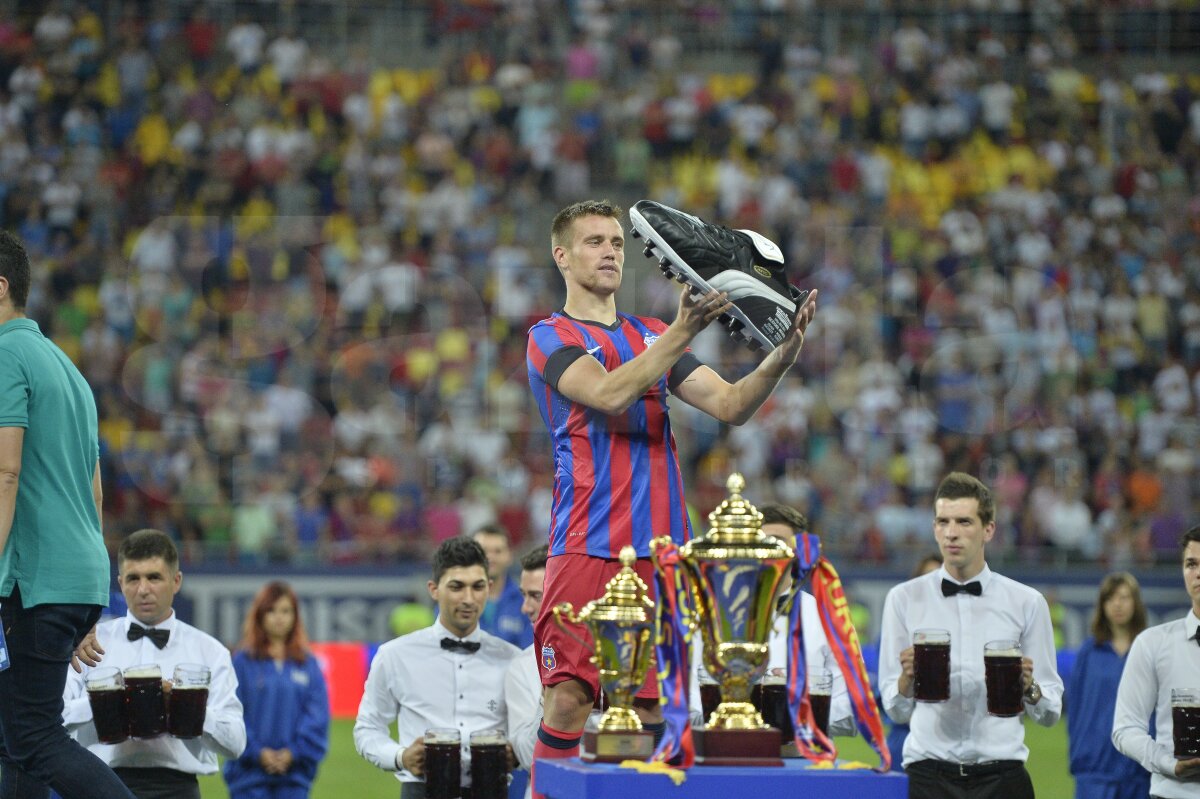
551 349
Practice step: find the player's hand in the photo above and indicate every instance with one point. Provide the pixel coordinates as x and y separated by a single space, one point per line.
89 651
905 683
795 338
1026 673
283 760
696 313
1188 769
512 757
413 758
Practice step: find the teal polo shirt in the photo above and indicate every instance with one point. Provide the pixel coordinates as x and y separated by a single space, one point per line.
55 551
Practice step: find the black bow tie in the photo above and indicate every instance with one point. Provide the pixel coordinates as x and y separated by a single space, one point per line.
470 647
159 637
950 588
1196 636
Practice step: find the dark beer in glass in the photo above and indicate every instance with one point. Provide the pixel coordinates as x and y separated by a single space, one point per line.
931 665
144 701
1002 675
774 707
106 694
188 701
1185 721
443 764
820 696
187 707
489 765
710 699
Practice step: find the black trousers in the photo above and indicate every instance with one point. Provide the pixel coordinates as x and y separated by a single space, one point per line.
935 779
159 783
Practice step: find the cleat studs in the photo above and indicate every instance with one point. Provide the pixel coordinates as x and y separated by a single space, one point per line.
635 233
648 251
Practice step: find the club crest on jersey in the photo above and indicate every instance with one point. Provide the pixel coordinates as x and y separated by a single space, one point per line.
548 660
649 339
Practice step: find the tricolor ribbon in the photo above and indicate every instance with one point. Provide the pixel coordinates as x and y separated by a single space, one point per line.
671 625
810 741
843 640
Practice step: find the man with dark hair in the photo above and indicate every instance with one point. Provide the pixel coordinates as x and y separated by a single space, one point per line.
1163 657
522 683
53 565
502 617
448 675
956 749
601 379
150 633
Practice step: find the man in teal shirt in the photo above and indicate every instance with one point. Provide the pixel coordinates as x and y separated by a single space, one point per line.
53 565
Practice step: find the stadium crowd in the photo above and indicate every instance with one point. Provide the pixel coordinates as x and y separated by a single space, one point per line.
300 287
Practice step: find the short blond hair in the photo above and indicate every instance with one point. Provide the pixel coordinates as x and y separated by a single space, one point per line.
561 228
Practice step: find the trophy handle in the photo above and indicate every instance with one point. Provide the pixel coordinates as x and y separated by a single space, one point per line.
567 611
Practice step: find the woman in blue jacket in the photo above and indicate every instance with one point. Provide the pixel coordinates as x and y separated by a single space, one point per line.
286 704
1100 771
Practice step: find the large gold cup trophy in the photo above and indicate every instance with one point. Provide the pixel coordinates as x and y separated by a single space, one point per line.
734 574
622 627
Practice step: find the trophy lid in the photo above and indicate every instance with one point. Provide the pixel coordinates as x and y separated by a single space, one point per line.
737 524
626 597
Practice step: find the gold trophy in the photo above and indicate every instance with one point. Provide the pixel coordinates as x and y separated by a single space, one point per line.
734 574
622 627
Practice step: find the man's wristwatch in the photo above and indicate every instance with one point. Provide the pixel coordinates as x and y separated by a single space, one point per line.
1033 694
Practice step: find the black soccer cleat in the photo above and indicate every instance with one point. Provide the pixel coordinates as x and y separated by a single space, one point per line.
746 265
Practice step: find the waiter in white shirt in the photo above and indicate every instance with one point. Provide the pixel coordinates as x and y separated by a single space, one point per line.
163 767
1163 657
785 523
956 750
448 675
522 682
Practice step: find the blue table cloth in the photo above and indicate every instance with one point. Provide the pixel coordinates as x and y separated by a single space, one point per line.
574 779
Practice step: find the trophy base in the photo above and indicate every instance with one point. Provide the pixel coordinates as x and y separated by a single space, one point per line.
614 747
737 747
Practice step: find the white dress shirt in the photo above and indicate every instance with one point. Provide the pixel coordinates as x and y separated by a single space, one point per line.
523 695
419 685
817 653
960 730
224 730
1161 658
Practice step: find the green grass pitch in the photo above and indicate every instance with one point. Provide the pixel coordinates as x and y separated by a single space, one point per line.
345 774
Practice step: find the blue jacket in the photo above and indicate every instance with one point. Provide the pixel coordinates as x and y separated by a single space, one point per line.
1091 701
504 619
286 707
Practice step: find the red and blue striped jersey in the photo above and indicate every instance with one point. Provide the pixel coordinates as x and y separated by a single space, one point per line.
616 478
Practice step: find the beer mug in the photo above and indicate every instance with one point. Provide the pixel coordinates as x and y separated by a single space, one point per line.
489 764
188 700
1002 675
710 695
443 763
144 701
773 705
106 694
931 665
1185 722
820 696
